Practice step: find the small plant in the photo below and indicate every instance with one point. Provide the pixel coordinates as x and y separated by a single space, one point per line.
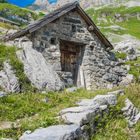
121 55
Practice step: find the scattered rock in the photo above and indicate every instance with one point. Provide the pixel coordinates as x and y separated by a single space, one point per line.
8 80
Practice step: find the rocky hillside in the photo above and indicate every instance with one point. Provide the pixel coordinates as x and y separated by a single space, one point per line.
17 14
102 114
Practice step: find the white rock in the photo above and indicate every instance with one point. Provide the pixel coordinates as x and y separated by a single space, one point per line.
37 70
72 89
79 118
127 80
8 80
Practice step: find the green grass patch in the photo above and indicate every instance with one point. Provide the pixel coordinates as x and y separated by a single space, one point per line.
134 68
9 53
131 25
121 55
8 10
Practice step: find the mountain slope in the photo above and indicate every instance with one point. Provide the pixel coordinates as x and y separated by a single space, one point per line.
17 14
119 20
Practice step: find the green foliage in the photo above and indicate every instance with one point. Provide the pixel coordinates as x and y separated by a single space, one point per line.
8 10
9 53
134 68
121 55
6 25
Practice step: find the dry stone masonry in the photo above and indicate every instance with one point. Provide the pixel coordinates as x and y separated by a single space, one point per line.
73 48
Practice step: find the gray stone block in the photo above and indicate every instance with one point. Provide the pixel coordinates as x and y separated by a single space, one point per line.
58 132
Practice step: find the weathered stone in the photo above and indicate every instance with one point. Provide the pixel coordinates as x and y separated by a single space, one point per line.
72 89
58 132
128 48
39 72
8 80
127 80
131 112
79 118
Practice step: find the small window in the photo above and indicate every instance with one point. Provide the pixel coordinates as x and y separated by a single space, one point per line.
73 28
53 41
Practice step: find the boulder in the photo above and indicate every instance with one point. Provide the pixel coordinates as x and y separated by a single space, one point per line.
127 80
38 71
8 80
57 132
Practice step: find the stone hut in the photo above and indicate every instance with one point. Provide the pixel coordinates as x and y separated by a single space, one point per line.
71 43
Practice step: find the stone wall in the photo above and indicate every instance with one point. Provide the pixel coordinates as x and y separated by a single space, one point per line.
98 69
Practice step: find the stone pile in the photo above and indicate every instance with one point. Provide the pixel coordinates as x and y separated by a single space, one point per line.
80 122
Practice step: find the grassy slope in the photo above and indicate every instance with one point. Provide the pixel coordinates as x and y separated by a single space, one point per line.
9 53
27 105
33 112
132 25
7 10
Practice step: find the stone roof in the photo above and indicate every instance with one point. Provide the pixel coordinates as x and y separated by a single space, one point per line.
55 15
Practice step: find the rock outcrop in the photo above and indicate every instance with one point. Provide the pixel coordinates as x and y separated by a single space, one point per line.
41 74
128 48
131 112
8 80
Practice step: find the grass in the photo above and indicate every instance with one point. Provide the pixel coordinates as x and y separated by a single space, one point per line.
9 53
120 55
115 126
8 11
134 68
6 25
131 25
34 113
